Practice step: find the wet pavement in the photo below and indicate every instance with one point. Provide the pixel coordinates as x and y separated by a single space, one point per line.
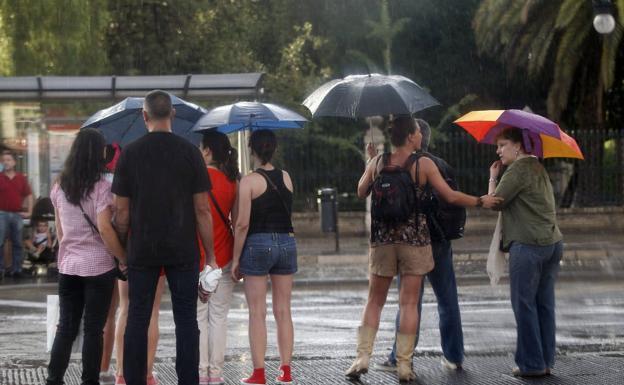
590 333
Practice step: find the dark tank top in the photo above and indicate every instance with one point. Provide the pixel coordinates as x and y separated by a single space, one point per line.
268 214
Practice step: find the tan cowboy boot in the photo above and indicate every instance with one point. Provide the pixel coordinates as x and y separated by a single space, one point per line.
365 341
404 353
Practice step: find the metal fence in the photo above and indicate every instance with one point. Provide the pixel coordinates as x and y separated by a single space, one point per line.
596 181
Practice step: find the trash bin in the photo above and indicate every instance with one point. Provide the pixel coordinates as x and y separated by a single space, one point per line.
328 209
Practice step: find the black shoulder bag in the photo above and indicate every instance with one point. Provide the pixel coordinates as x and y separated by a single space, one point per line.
120 274
274 187
225 219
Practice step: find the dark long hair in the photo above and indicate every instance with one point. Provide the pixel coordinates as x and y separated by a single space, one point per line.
513 134
84 165
400 128
223 153
263 143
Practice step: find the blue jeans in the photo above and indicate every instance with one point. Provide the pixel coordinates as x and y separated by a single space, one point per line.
11 225
91 295
269 253
532 275
142 281
442 279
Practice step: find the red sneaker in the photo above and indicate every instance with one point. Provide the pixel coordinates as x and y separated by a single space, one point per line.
284 377
256 378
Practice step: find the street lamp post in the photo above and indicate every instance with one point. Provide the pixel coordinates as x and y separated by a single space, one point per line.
604 22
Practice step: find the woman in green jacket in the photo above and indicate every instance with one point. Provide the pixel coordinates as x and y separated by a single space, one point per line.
531 235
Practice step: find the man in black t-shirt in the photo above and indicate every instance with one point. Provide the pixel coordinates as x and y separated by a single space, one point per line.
161 202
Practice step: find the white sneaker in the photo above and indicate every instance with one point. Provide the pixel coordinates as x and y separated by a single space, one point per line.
450 365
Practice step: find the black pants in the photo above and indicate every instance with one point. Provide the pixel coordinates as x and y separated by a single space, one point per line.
142 283
91 295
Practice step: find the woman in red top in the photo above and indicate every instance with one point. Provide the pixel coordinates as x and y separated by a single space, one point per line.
221 161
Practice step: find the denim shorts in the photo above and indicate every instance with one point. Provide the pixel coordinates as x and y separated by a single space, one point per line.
269 253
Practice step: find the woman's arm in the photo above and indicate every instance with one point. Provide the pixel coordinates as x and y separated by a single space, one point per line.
242 223
449 195
109 236
495 169
367 178
234 212
57 223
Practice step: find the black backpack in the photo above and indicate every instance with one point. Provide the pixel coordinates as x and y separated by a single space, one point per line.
445 221
393 196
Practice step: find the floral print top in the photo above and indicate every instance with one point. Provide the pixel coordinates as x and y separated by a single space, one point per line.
414 232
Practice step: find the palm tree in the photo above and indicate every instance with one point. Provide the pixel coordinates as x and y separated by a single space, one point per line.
553 41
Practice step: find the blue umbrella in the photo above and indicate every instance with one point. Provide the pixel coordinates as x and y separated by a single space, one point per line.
249 116
123 122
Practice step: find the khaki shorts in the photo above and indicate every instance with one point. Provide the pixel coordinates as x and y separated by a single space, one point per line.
390 260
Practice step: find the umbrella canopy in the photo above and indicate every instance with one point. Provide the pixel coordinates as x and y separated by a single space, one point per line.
542 137
123 122
360 96
249 116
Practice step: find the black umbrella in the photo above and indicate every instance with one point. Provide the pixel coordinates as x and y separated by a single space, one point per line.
359 96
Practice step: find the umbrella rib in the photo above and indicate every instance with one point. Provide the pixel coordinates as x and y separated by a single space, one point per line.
123 135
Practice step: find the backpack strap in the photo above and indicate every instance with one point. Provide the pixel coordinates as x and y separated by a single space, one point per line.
409 162
383 160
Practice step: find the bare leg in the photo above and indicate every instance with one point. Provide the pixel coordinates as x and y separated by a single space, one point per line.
122 288
281 288
409 296
255 293
377 292
109 332
153 331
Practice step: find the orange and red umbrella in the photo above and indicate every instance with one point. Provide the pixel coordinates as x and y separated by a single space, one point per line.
542 137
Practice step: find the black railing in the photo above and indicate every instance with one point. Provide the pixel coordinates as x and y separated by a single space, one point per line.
316 162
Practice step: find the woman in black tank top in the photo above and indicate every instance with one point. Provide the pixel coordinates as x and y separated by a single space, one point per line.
264 245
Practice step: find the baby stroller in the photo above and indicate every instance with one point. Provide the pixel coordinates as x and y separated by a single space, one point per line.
40 244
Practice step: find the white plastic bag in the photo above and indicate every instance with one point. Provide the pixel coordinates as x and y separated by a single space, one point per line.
496 258
209 279
52 320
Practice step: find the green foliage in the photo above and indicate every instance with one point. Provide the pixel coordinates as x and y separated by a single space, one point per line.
314 161
552 41
6 65
60 37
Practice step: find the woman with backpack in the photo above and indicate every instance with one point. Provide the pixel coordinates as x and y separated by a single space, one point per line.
531 235
264 245
222 167
400 241
88 244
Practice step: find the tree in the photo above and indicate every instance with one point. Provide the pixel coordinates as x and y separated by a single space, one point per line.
55 37
553 41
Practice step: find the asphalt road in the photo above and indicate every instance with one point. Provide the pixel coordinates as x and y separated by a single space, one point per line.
590 316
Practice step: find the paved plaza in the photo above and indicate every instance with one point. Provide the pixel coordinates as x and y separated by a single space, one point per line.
326 312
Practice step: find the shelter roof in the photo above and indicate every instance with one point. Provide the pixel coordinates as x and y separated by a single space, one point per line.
195 86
